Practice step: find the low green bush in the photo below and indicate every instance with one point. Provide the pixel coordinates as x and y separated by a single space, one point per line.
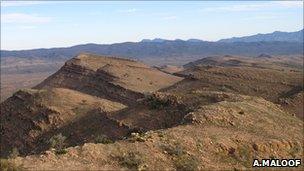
182 160
14 153
103 139
131 160
176 150
6 165
58 143
186 163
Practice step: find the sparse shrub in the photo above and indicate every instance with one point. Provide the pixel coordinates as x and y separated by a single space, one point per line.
103 139
231 151
191 76
81 109
137 137
176 150
243 155
224 88
14 153
220 97
62 151
272 156
182 160
131 160
241 112
161 134
295 150
199 145
6 165
155 103
255 147
186 163
58 143
162 100
189 118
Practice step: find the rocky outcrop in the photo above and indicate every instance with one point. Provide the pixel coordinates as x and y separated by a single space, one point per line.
23 120
96 83
86 129
30 117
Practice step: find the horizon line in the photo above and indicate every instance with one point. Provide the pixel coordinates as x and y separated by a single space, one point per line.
138 41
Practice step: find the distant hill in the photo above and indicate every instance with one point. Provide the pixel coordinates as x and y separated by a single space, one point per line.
264 61
270 37
158 40
276 43
166 49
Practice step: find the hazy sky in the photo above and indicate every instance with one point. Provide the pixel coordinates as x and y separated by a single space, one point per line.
44 24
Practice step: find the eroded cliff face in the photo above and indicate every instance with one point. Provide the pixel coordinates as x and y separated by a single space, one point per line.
95 83
22 121
30 117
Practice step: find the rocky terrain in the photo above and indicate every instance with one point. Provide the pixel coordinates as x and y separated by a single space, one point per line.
292 63
108 113
79 92
273 78
115 79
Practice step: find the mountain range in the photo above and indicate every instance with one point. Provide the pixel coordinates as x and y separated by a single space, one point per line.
277 43
275 36
296 36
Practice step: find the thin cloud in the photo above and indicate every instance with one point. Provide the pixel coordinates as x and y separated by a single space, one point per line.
20 3
132 10
237 8
290 4
23 18
255 6
262 17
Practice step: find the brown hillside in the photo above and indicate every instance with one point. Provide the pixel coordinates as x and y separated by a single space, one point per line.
271 84
294 104
223 135
29 114
72 101
218 117
115 79
263 61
